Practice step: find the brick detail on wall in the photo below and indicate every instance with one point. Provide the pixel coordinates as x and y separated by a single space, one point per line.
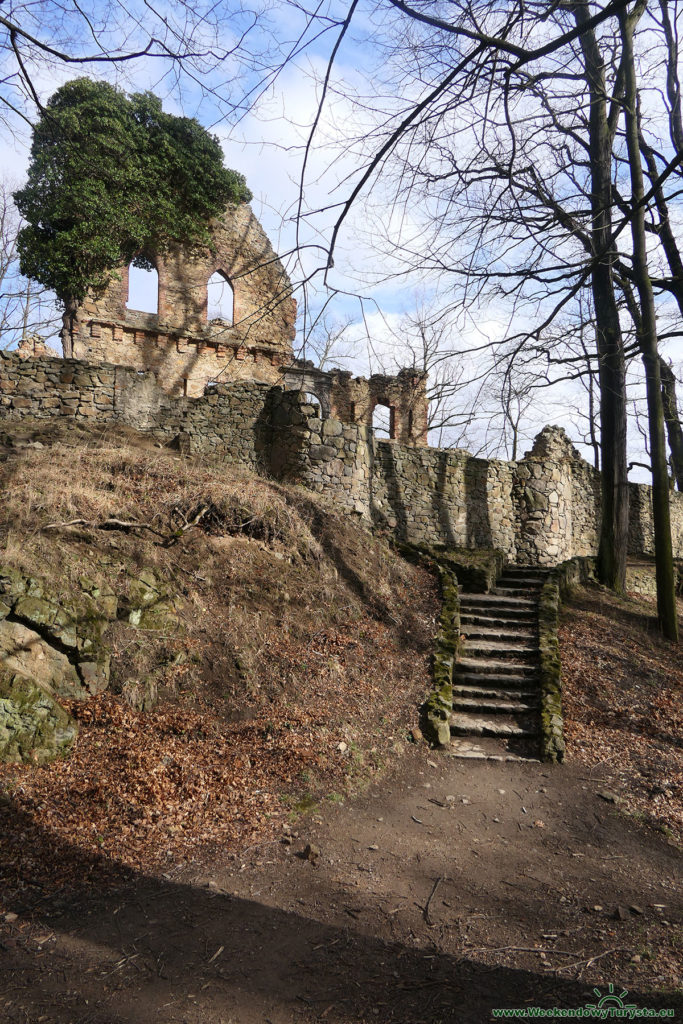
178 342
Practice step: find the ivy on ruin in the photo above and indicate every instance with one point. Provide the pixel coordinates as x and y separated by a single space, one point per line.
112 178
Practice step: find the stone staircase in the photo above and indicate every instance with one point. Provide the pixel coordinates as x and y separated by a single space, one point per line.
496 695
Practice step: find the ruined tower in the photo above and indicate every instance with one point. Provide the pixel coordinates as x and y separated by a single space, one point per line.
184 342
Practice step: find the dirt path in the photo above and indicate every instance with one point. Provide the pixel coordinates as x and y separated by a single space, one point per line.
422 906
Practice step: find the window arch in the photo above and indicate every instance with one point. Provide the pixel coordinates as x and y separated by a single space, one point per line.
220 298
311 398
382 421
143 289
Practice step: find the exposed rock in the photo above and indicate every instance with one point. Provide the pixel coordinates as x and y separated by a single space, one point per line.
95 675
23 650
57 643
151 604
141 694
33 726
104 597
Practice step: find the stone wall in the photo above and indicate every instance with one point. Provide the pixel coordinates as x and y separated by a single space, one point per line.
445 496
354 399
542 509
229 422
640 532
57 387
548 515
179 343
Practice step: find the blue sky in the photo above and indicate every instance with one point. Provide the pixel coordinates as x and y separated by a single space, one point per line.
266 143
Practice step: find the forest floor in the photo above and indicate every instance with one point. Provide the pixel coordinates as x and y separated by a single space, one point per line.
266 845
444 891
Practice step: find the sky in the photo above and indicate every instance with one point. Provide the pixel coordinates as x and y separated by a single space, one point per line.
265 141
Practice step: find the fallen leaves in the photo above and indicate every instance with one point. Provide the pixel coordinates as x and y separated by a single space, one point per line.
303 655
147 789
623 714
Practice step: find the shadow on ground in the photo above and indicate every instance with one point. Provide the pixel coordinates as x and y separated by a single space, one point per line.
154 949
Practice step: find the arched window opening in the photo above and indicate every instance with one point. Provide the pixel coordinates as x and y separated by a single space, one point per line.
143 289
220 303
381 421
311 399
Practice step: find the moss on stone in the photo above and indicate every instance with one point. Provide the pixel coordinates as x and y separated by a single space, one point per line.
73 626
558 585
437 708
150 604
476 569
33 726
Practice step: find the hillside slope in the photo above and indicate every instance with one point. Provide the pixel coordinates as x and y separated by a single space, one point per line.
272 652
622 703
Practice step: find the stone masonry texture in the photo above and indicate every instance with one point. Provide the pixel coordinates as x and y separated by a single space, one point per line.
178 342
540 510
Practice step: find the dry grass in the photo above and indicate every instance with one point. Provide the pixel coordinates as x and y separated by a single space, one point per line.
298 632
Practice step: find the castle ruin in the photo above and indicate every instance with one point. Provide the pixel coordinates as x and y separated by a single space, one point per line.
230 388
188 350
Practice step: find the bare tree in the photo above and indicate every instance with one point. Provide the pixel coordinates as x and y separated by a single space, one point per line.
327 339
26 309
666 592
426 342
672 419
539 204
499 127
203 46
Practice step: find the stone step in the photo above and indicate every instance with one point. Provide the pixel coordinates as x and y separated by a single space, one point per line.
517 647
463 724
497 680
486 601
489 666
473 632
483 749
501 590
522 618
526 570
495 696
520 581
493 706
497 693
492 621
523 613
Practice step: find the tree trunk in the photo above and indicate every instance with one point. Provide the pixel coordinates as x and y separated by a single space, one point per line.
70 309
666 590
668 239
672 420
613 545
595 444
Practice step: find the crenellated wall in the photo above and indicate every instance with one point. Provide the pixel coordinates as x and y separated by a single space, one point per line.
542 509
179 343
